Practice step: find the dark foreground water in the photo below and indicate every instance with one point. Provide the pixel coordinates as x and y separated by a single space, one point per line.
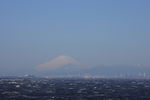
73 89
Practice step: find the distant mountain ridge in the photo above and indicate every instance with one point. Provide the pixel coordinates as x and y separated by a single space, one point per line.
98 70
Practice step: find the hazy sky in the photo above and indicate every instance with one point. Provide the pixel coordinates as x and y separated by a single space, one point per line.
94 32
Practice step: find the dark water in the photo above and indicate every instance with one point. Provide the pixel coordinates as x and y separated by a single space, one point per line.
73 89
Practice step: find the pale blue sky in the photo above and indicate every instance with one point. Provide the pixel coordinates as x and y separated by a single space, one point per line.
95 32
